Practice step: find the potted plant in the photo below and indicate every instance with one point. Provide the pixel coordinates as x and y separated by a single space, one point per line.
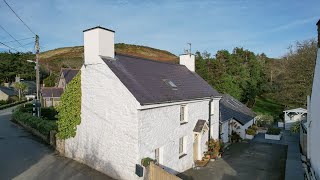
250 133
273 133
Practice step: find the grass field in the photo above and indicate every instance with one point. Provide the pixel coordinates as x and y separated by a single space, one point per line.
268 107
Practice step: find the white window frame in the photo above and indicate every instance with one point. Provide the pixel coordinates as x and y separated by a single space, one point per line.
158 155
182 146
183 114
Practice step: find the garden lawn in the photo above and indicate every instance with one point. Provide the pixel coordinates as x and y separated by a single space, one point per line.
268 107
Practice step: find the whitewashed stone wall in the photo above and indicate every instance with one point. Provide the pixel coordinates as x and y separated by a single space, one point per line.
160 128
315 120
107 138
225 131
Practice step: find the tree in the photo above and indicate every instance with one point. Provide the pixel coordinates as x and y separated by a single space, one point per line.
50 81
21 88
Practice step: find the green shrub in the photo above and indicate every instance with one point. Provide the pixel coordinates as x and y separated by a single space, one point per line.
235 137
43 126
295 128
251 131
254 127
273 131
3 102
146 161
49 113
264 120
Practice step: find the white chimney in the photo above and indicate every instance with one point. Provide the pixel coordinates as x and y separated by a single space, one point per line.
98 41
188 60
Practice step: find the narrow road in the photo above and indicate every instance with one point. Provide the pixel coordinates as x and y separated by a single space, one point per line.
23 156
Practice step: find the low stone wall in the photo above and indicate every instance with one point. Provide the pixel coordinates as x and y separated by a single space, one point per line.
249 136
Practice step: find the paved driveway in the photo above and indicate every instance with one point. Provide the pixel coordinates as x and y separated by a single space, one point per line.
247 161
23 156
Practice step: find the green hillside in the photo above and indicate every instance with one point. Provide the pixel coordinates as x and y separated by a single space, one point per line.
72 57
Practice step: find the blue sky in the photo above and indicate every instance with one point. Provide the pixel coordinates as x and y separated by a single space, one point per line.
261 26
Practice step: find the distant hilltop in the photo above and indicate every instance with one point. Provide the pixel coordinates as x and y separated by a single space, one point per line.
72 57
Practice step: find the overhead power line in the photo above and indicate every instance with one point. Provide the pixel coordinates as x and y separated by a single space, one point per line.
18 17
20 40
8 46
12 37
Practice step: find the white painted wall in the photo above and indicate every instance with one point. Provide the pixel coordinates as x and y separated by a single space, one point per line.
98 42
160 127
242 130
188 60
315 119
107 138
225 131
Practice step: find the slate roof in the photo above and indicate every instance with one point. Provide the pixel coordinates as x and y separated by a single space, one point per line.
51 92
8 91
148 80
231 108
199 126
69 74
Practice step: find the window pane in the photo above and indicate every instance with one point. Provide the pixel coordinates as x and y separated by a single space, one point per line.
157 154
182 113
181 145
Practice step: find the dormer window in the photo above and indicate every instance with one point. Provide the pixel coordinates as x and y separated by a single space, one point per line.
170 84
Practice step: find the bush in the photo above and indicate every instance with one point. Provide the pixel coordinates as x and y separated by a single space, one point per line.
295 128
146 161
43 126
264 120
49 113
235 137
213 148
3 102
254 127
250 131
12 104
273 131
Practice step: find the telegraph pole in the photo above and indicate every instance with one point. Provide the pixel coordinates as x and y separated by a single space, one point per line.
37 75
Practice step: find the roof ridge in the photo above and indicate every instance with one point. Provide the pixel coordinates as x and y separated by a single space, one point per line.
147 59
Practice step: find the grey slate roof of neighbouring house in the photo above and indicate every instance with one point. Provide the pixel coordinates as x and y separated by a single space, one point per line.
199 126
231 108
8 91
149 81
51 92
69 74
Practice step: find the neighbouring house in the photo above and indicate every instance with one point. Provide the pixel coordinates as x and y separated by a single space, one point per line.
293 115
6 93
133 108
51 95
66 75
313 121
234 117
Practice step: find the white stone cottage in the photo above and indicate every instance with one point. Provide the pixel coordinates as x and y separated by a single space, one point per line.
293 115
133 108
313 120
234 116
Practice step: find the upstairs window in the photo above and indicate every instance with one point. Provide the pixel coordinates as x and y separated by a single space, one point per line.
182 147
183 114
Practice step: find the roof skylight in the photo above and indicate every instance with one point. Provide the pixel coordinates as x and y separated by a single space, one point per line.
171 84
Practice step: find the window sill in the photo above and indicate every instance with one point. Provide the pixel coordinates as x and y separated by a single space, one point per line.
182 155
182 123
